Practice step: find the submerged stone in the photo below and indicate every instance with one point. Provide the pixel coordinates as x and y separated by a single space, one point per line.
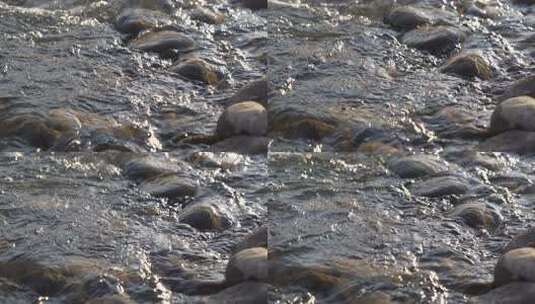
244 118
248 265
207 16
524 239
441 186
512 293
133 21
478 215
522 87
243 293
435 40
408 17
468 65
170 186
205 216
513 114
256 239
163 42
417 166
515 265
243 145
521 142
254 91
197 69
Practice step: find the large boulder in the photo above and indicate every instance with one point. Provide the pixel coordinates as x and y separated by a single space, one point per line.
244 118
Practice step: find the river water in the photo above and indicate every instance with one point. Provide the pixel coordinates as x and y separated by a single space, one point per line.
97 181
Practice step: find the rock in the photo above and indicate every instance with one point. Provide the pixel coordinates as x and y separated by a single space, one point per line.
243 293
515 265
133 21
143 168
224 160
468 65
155 5
254 91
207 16
470 158
456 122
522 87
197 69
525 239
512 293
170 186
205 216
114 299
526 2
417 166
408 17
244 118
513 114
243 145
478 215
301 127
254 4
441 186
521 142
436 40
256 239
248 265
163 42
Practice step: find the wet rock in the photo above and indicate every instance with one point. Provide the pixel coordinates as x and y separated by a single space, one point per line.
156 5
521 142
133 21
524 239
417 166
170 186
197 69
522 87
527 2
441 186
513 114
207 16
243 145
515 265
163 42
456 122
478 215
373 148
224 160
205 216
408 17
468 65
243 293
512 293
248 265
142 168
256 239
435 40
471 158
114 299
254 91
253 4
244 118
301 126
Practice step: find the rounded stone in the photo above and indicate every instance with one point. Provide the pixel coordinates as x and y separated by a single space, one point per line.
207 16
133 21
515 265
408 17
163 42
244 118
522 87
197 69
478 215
436 40
417 166
256 239
468 65
248 265
440 186
524 239
172 187
513 114
205 217
254 91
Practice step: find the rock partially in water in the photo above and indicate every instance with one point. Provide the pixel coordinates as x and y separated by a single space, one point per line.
512 293
163 42
478 215
470 158
170 186
522 87
205 216
207 16
468 65
515 265
524 239
254 91
243 145
248 265
258 238
301 126
225 160
456 122
134 21
408 17
513 114
521 142
197 69
435 40
253 4
243 293
417 166
244 118
139 168
441 186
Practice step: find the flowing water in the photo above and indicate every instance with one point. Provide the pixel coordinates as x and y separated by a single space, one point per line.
91 136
